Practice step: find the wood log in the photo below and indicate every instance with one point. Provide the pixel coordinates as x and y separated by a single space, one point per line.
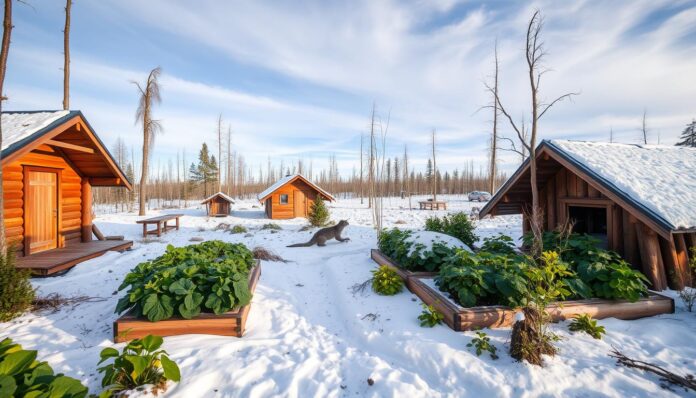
86 211
675 278
14 212
12 175
683 259
97 232
649 246
14 222
631 251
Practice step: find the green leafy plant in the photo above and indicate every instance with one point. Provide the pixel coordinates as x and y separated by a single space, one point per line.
142 362
238 229
21 375
482 343
456 224
16 293
413 256
585 323
271 226
318 213
212 276
430 316
386 281
501 244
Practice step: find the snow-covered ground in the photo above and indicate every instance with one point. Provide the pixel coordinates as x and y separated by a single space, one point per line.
308 335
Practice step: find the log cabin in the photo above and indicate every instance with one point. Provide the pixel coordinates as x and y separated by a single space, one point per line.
638 200
218 204
290 197
50 162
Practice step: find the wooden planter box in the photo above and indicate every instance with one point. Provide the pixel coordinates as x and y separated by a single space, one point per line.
460 319
382 259
231 323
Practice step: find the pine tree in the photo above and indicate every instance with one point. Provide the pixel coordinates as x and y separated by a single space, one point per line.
688 137
318 213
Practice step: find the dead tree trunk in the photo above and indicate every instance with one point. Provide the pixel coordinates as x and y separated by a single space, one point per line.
4 50
66 60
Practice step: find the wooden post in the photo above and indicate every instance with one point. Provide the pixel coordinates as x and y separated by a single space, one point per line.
86 210
683 258
551 204
675 277
650 255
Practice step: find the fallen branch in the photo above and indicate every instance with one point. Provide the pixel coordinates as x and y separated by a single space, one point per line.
262 253
360 287
54 301
688 381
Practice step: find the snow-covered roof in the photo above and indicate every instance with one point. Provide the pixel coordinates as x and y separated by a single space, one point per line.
658 179
221 194
16 126
286 180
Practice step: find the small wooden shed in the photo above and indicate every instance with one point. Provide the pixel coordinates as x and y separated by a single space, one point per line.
50 162
639 200
218 204
291 196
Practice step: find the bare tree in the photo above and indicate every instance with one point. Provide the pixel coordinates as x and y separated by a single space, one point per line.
219 169
362 193
534 55
4 51
644 126
494 133
434 178
229 159
66 53
149 95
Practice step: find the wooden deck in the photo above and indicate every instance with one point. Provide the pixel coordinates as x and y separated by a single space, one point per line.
52 261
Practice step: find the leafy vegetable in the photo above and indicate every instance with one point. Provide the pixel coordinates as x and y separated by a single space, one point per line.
430 316
585 323
410 256
483 343
386 281
140 363
208 277
21 375
456 224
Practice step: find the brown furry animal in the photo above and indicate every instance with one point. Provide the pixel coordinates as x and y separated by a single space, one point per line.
324 234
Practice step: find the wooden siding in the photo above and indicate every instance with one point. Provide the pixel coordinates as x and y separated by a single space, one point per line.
276 210
70 216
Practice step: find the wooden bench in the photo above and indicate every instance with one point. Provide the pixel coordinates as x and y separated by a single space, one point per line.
433 205
161 223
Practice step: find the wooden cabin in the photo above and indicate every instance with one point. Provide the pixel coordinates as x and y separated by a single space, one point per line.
640 201
218 205
50 162
291 196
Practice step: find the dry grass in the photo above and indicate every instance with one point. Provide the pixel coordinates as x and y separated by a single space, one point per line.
262 253
527 342
55 301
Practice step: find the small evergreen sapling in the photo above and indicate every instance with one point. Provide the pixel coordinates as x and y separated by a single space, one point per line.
16 293
430 316
386 281
318 213
483 343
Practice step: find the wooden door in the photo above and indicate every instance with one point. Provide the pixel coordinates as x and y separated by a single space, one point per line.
300 204
41 211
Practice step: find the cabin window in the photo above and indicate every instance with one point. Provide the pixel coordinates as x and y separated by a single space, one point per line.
283 199
591 221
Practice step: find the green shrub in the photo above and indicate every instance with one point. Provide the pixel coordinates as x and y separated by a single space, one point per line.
386 281
413 257
16 293
456 224
212 276
585 323
318 213
238 229
500 244
271 226
141 363
430 316
482 343
21 375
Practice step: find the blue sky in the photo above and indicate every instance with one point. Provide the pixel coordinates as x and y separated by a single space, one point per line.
297 79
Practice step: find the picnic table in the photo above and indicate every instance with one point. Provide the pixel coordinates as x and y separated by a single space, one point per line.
432 204
161 222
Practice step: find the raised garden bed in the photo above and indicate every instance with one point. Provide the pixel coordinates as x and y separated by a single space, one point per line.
382 259
231 323
460 318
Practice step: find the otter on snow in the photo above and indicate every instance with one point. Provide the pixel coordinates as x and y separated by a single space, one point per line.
324 234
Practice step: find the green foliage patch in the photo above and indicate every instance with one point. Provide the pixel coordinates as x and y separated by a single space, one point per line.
238 229
142 362
430 316
16 293
386 281
21 375
456 224
410 256
482 343
318 213
212 276
585 323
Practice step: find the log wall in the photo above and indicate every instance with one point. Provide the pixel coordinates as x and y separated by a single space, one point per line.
284 211
13 195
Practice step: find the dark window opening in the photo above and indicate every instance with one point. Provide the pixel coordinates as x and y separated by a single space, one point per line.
591 221
284 199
